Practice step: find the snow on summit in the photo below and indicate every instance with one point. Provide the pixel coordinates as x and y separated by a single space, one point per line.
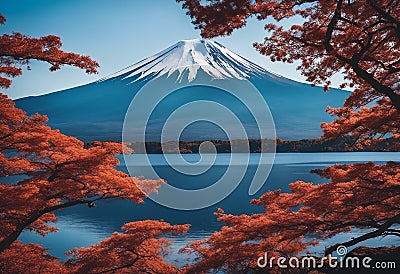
187 57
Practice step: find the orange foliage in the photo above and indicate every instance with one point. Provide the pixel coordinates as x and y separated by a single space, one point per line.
138 250
29 258
369 126
17 50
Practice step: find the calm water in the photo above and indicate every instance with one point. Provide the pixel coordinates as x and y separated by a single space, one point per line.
82 226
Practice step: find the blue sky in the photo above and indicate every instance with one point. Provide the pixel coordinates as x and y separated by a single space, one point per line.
117 34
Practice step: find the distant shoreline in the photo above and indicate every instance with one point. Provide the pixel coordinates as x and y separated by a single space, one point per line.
345 144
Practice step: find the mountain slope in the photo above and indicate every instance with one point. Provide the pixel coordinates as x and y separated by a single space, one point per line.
96 111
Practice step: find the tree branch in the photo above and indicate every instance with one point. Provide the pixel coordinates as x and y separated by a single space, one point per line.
9 239
380 231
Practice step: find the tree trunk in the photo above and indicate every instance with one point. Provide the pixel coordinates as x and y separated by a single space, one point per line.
13 236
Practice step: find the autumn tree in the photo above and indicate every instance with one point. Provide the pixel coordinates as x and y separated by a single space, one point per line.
139 249
50 171
17 50
360 39
29 258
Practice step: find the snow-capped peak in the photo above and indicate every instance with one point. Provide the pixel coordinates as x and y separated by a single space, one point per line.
187 57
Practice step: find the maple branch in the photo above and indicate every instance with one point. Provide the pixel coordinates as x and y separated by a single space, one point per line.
5 136
9 239
120 267
386 15
353 62
380 231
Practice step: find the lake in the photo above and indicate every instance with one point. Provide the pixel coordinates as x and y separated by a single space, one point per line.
82 226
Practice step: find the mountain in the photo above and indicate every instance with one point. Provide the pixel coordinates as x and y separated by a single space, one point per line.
196 69
187 58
